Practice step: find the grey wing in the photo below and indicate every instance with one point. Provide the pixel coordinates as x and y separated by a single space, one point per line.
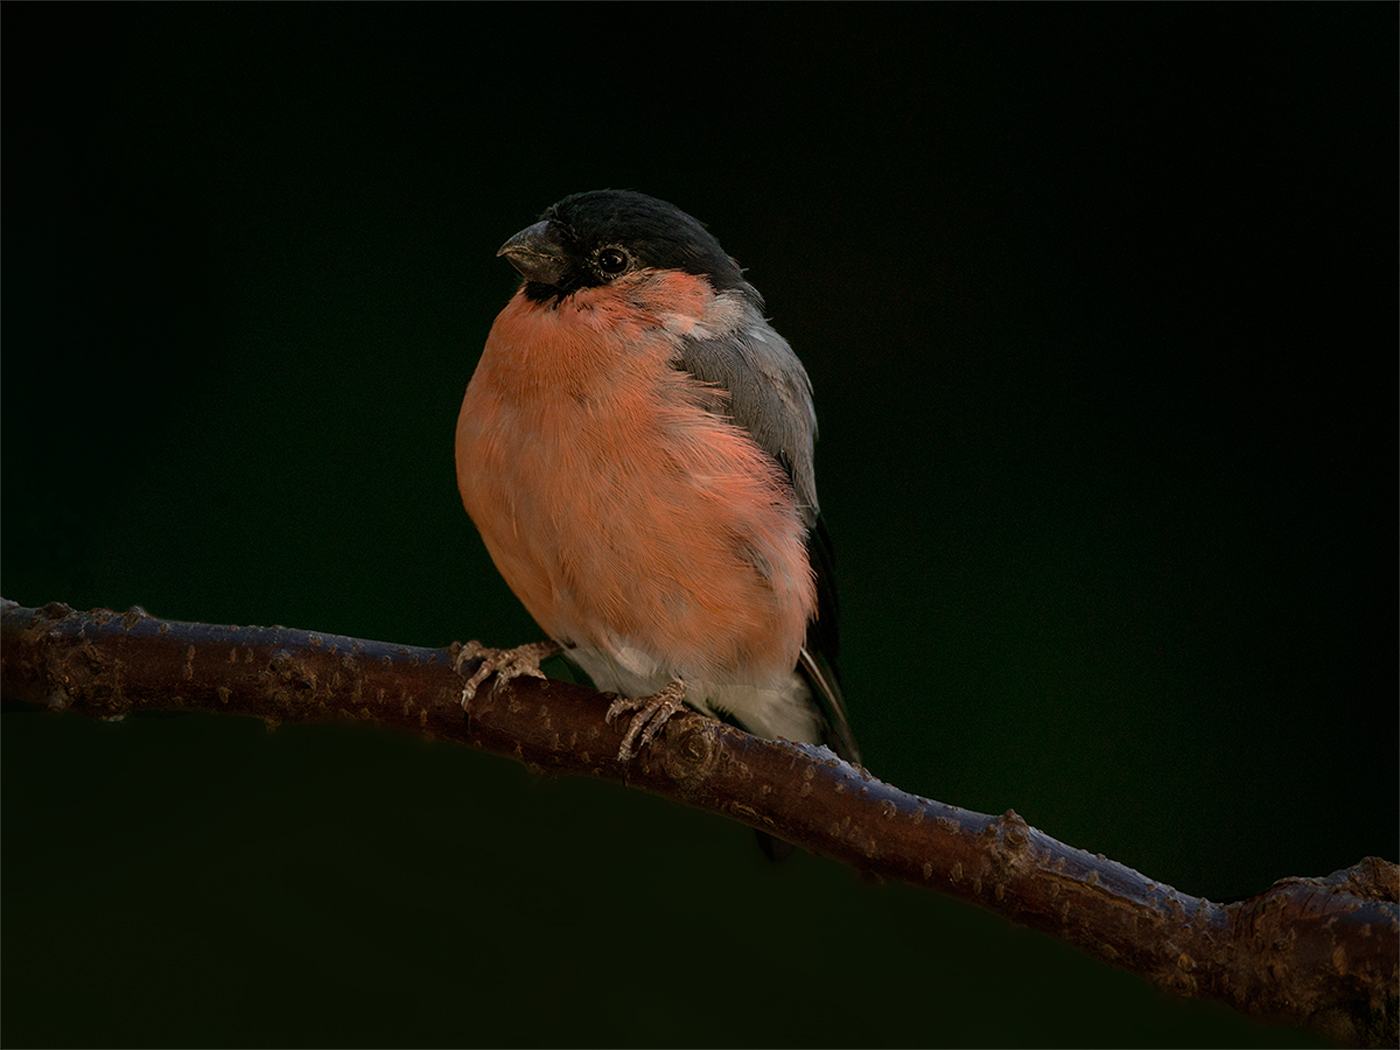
769 394
771 397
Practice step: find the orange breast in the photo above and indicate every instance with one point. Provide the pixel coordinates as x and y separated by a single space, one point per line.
619 507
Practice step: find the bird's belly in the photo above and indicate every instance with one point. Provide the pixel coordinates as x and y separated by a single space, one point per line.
779 706
668 544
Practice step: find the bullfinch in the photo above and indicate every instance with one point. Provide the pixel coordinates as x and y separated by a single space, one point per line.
635 448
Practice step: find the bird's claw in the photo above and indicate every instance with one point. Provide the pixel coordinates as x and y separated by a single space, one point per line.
653 712
505 664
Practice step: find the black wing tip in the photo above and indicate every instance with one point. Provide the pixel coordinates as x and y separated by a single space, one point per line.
825 688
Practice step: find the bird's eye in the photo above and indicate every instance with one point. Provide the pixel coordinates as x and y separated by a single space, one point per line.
612 260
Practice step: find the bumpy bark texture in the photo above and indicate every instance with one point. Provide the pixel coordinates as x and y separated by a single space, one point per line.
1320 952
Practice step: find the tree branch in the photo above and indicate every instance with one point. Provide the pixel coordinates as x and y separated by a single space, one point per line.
1323 952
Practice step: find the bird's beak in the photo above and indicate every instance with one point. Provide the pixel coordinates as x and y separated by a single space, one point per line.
537 254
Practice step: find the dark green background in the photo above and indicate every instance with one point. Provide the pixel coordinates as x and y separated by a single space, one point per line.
1099 304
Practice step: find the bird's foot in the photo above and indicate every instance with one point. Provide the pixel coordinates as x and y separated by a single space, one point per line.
653 712
505 664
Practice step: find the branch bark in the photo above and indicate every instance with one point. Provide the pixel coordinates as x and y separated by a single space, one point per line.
1318 952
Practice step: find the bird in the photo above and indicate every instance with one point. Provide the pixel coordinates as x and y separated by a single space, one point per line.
635 447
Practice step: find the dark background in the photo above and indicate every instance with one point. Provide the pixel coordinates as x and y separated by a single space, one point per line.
1099 304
